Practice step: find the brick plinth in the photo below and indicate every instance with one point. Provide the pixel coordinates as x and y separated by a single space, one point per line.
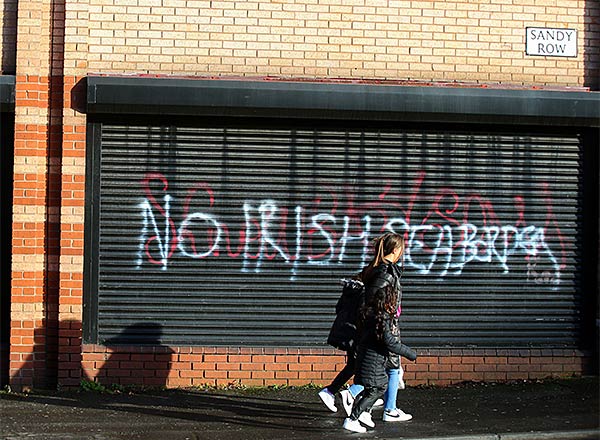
219 366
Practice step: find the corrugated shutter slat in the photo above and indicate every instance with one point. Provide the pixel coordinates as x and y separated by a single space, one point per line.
283 208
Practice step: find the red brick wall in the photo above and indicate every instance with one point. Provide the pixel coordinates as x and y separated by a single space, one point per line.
443 367
59 44
221 366
47 290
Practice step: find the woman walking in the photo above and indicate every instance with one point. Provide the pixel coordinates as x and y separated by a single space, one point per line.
379 337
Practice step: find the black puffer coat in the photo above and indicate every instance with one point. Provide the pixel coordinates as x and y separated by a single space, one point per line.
372 354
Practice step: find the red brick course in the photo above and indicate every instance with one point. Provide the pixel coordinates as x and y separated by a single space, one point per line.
177 367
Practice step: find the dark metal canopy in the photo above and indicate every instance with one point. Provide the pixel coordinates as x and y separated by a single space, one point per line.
246 98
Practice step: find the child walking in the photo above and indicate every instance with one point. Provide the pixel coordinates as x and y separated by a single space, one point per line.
379 337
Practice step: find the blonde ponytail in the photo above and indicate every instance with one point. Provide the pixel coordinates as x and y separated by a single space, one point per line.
382 246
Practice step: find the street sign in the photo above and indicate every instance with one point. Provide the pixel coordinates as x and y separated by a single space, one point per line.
550 42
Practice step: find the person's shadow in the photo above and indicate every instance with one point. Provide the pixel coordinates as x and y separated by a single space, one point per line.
137 355
138 349
39 369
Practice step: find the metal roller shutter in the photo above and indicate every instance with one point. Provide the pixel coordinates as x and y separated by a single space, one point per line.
230 235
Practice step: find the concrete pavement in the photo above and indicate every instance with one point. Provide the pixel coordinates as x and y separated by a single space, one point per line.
548 410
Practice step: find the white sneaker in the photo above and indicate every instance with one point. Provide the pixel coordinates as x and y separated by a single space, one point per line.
328 399
354 426
396 415
378 402
347 400
366 419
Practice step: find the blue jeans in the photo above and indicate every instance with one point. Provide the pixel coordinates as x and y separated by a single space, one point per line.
391 393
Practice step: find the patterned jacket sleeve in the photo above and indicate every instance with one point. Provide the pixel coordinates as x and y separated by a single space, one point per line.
394 345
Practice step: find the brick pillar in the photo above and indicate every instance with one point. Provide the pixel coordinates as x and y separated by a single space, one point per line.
37 146
72 238
75 20
49 194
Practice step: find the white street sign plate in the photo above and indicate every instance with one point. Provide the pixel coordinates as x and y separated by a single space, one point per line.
550 42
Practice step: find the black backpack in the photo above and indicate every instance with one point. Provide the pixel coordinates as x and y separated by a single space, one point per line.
343 331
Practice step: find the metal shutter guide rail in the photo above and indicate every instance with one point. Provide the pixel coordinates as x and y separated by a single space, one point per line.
194 97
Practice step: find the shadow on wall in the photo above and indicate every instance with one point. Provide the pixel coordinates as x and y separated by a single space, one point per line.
137 357
9 37
37 369
591 55
7 121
